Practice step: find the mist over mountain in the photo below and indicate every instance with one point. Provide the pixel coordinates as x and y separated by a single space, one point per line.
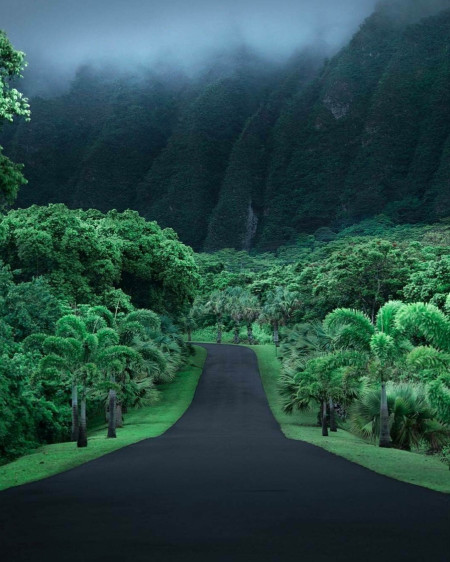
59 37
250 151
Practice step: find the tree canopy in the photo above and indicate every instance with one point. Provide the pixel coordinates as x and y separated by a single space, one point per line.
86 256
12 104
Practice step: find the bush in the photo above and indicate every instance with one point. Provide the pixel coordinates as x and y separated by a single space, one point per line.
412 419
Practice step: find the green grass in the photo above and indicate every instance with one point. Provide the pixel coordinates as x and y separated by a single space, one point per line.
411 467
140 424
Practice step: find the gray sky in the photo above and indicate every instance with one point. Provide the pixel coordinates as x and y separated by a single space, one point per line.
59 35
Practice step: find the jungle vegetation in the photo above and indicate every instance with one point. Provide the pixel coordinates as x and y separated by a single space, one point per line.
330 219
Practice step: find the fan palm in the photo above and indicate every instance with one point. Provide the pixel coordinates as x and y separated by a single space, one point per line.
251 311
325 379
411 417
279 308
234 307
188 323
303 342
216 305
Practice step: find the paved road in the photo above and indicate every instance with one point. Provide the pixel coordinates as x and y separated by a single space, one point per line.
223 484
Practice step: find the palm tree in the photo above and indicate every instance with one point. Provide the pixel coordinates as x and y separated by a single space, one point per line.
83 356
324 380
430 363
216 305
72 350
188 323
234 307
384 344
279 308
117 362
139 324
413 419
62 352
251 311
303 342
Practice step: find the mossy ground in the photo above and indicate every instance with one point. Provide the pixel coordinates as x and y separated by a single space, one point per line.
140 424
410 467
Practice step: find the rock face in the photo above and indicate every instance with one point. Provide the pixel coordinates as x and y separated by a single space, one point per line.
252 226
249 154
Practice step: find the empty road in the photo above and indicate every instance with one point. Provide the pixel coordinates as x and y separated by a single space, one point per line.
223 484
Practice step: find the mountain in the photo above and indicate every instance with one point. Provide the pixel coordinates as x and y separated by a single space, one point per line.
249 154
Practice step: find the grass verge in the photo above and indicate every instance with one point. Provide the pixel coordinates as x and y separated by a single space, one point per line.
414 468
140 424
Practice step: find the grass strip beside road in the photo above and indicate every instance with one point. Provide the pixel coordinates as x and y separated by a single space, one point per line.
411 467
142 423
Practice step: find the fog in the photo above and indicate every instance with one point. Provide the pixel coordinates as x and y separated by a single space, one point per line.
60 35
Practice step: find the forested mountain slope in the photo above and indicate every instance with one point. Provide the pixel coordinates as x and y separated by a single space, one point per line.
249 154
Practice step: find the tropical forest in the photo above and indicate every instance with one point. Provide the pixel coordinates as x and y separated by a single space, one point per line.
225 290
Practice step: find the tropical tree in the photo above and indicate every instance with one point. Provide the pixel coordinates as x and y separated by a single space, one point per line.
90 257
235 297
116 362
139 324
384 345
82 356
413 419
279 308
251 310
216 305
361 275
71 352
188 322
303 342
325 380
12 103
429 363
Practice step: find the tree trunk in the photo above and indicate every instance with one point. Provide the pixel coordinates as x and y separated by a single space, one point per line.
119 417
82 434
236 335
276 339
385 436
112 413
333 426
75 419
324 419
189 334
219 334
251 340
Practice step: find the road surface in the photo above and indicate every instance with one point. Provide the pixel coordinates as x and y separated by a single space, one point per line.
223 484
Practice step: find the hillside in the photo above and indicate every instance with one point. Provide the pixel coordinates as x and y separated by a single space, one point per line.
249 154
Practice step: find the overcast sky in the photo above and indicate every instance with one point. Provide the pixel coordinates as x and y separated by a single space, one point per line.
59 35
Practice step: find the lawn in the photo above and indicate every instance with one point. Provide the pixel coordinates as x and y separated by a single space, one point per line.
140 424
410 467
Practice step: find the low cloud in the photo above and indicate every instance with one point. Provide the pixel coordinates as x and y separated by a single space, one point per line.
60 35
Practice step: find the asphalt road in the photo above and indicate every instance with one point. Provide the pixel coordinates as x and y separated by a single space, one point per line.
223 484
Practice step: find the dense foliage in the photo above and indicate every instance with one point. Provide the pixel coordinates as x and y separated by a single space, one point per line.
367 360
89 257
50 351
92 302
12 104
